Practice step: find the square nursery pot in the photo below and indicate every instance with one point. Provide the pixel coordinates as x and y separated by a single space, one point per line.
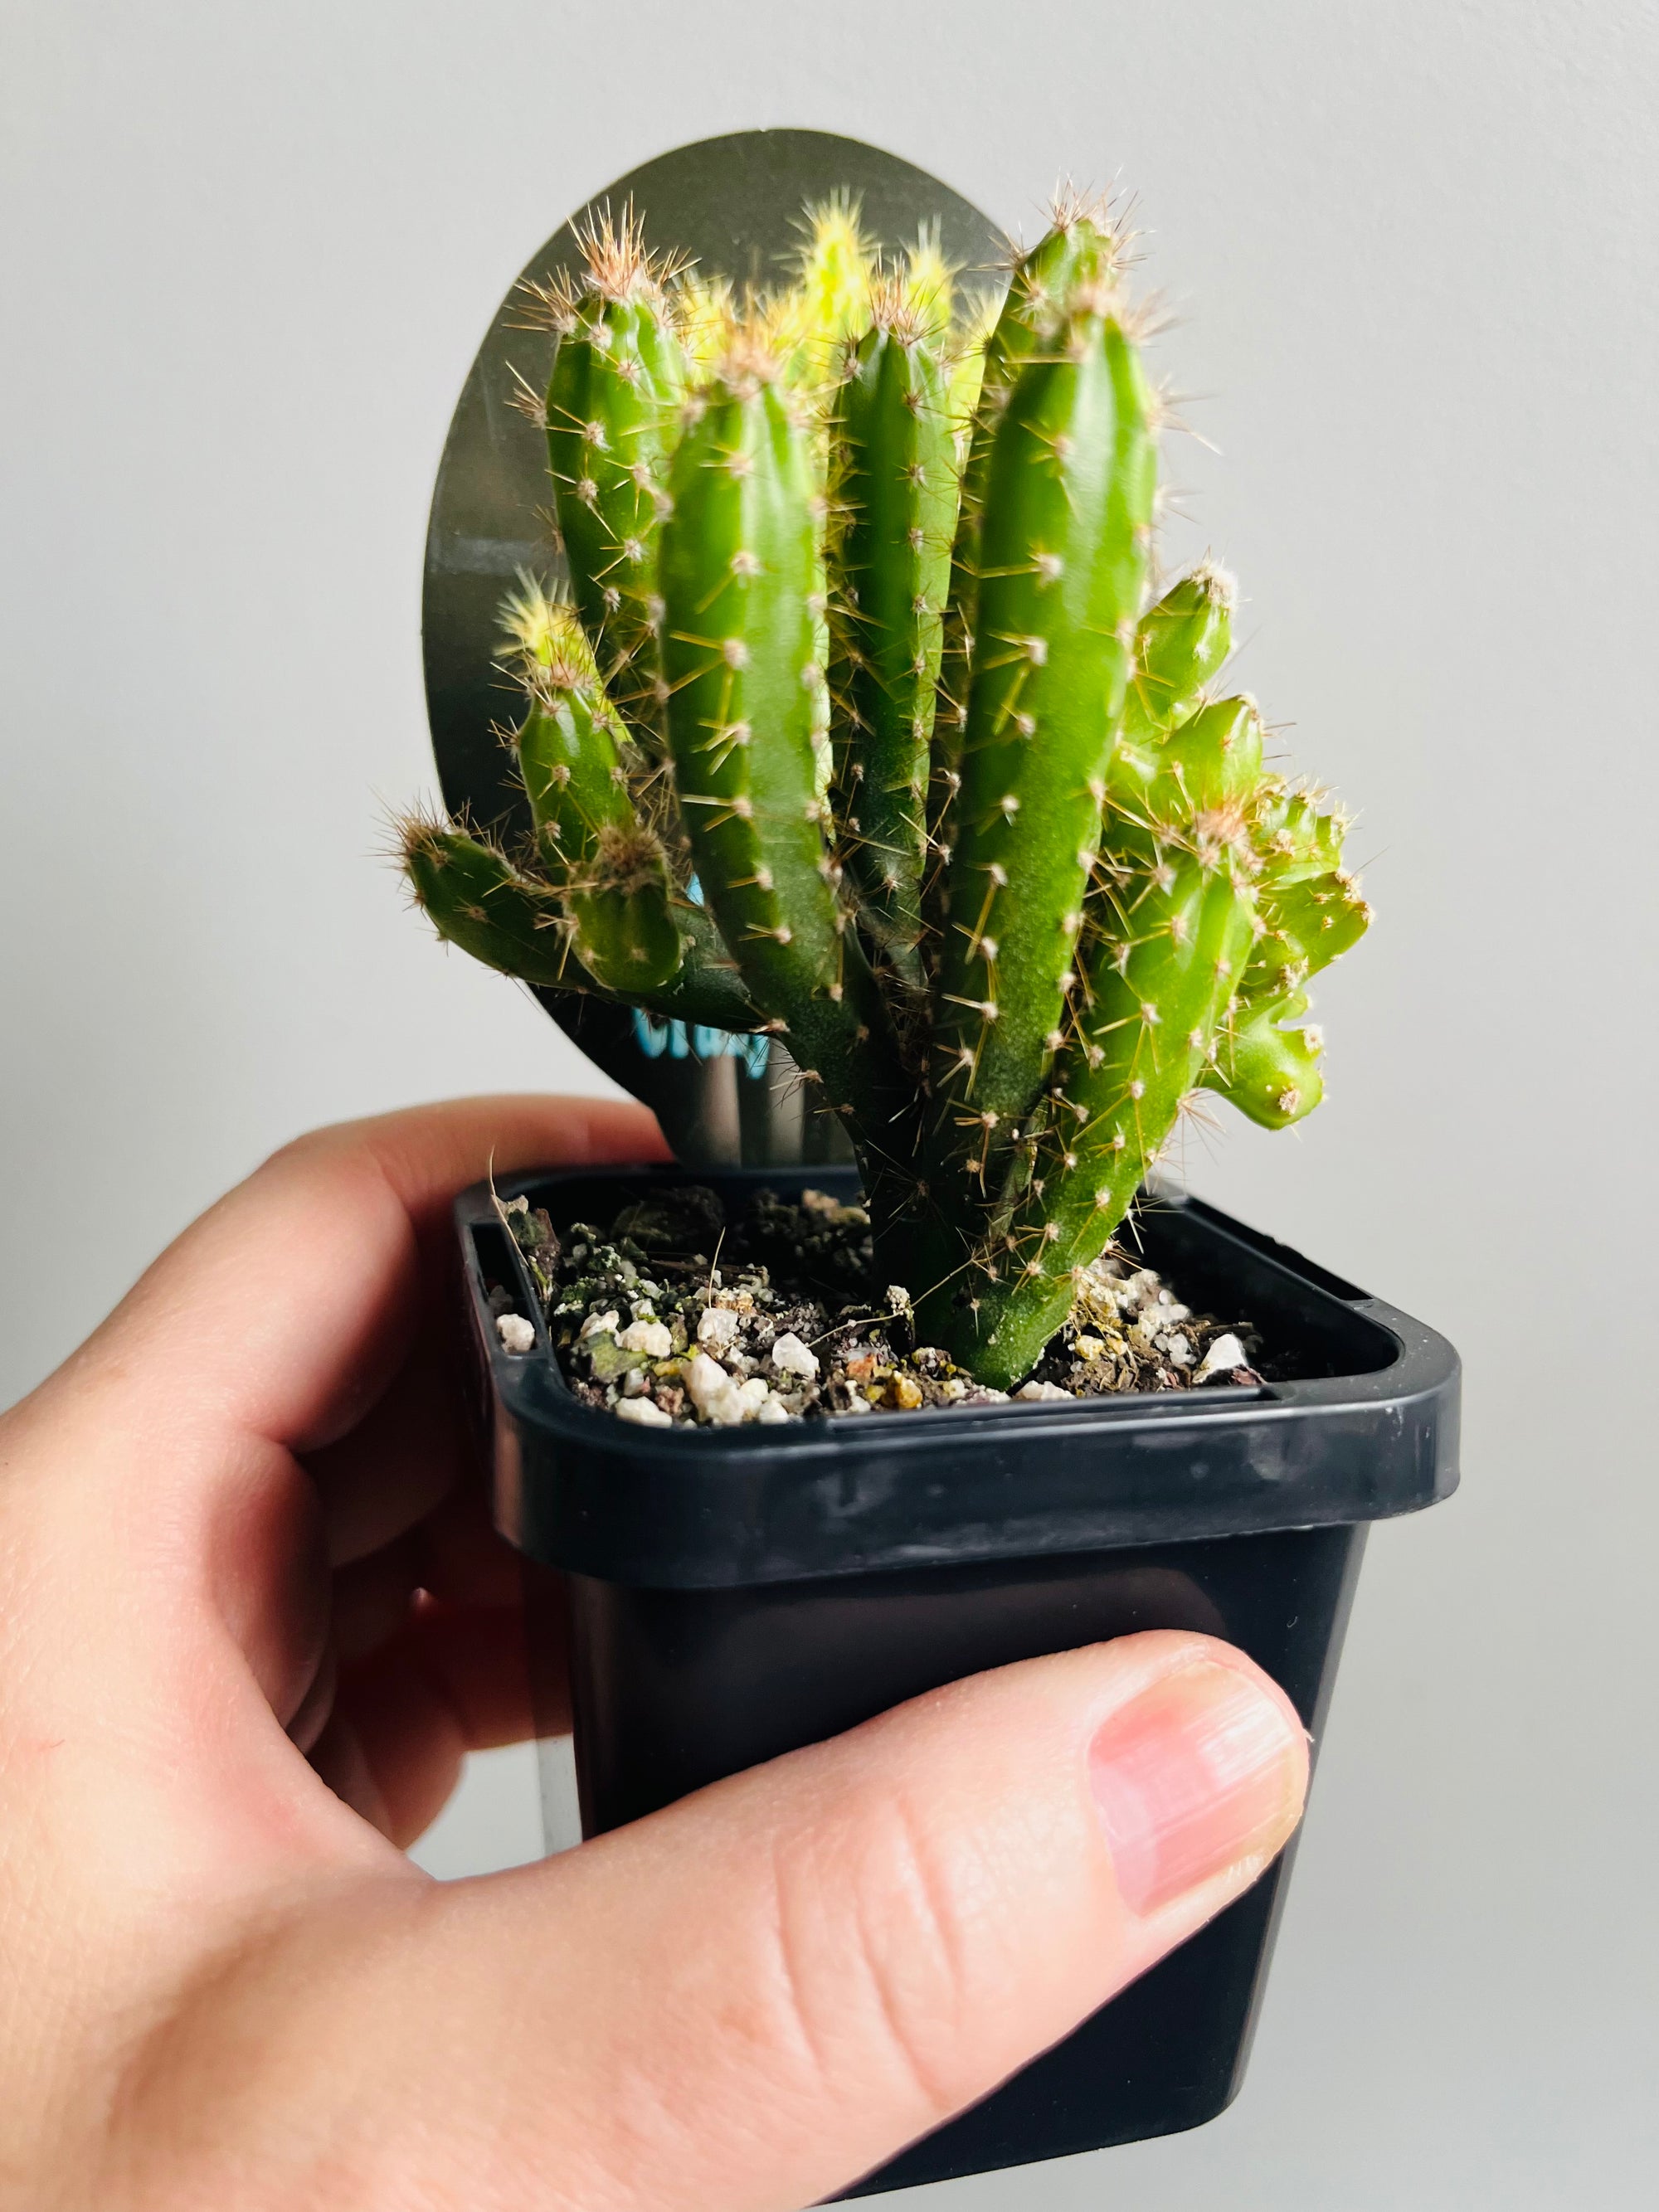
733 1594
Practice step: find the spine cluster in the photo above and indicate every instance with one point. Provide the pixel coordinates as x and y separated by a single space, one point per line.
857 728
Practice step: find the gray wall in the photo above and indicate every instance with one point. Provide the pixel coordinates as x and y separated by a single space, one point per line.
251 251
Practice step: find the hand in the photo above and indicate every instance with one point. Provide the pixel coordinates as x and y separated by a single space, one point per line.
250 1619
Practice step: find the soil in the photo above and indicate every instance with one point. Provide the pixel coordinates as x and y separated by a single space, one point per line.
674 1316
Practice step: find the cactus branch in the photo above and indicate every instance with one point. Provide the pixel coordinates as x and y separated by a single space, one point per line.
1156 995
608 866
618 373
1063 548
1268 1064
738 559
893 499
1081 248
475 898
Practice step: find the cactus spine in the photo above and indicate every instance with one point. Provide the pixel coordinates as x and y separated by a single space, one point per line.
1040 889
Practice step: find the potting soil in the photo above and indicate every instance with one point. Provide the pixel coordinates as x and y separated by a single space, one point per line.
674 1316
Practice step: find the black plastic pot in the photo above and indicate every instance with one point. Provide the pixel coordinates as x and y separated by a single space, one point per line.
732 1595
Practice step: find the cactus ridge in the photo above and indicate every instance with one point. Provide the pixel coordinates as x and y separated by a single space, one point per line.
859 725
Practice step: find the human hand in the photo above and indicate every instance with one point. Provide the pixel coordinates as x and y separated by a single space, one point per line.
250 1620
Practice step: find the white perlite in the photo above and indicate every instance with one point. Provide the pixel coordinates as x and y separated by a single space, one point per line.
650 1337
718 1397
718 1327
791 1356
704 1378
517 1335
598 1325
644 1412
1223 1356
1044 1393
742 1402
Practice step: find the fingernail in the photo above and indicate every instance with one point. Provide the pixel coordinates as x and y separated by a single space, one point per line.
1199 1771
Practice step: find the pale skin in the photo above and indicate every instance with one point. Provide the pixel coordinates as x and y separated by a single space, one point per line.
224 1708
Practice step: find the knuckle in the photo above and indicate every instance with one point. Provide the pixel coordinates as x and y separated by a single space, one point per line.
873 1949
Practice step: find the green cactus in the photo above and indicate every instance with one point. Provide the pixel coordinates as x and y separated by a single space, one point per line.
1180 643
606 862
893 505
1038 889
619 373
1309 911
515 921
738 558
1167 937
1062 549
1081 248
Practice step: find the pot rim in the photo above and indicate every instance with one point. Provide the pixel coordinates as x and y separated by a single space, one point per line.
578 1488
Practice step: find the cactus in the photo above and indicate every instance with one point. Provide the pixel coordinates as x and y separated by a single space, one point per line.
1062 547
619 373
857 728
893 506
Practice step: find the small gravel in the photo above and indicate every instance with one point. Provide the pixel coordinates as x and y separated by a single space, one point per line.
672 1317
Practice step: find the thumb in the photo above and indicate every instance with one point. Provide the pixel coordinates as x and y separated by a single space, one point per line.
744 2003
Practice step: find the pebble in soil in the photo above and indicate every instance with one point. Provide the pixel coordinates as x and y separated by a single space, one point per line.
674 1318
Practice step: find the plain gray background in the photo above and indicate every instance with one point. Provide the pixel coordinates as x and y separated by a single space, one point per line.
250 251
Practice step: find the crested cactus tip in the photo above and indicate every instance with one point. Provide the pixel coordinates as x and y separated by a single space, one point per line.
860 721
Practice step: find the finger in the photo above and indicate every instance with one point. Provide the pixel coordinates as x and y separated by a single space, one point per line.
405 1465
450 1681
159 1464
454 1555
742 2003
463 1558
401 1461
286 1309
373 1597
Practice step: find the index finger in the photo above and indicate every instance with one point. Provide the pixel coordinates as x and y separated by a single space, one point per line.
281 1313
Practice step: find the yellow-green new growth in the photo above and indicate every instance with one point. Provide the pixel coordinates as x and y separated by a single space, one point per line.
1039 888
595 850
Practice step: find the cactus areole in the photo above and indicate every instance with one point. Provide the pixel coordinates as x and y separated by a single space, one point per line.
867 725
